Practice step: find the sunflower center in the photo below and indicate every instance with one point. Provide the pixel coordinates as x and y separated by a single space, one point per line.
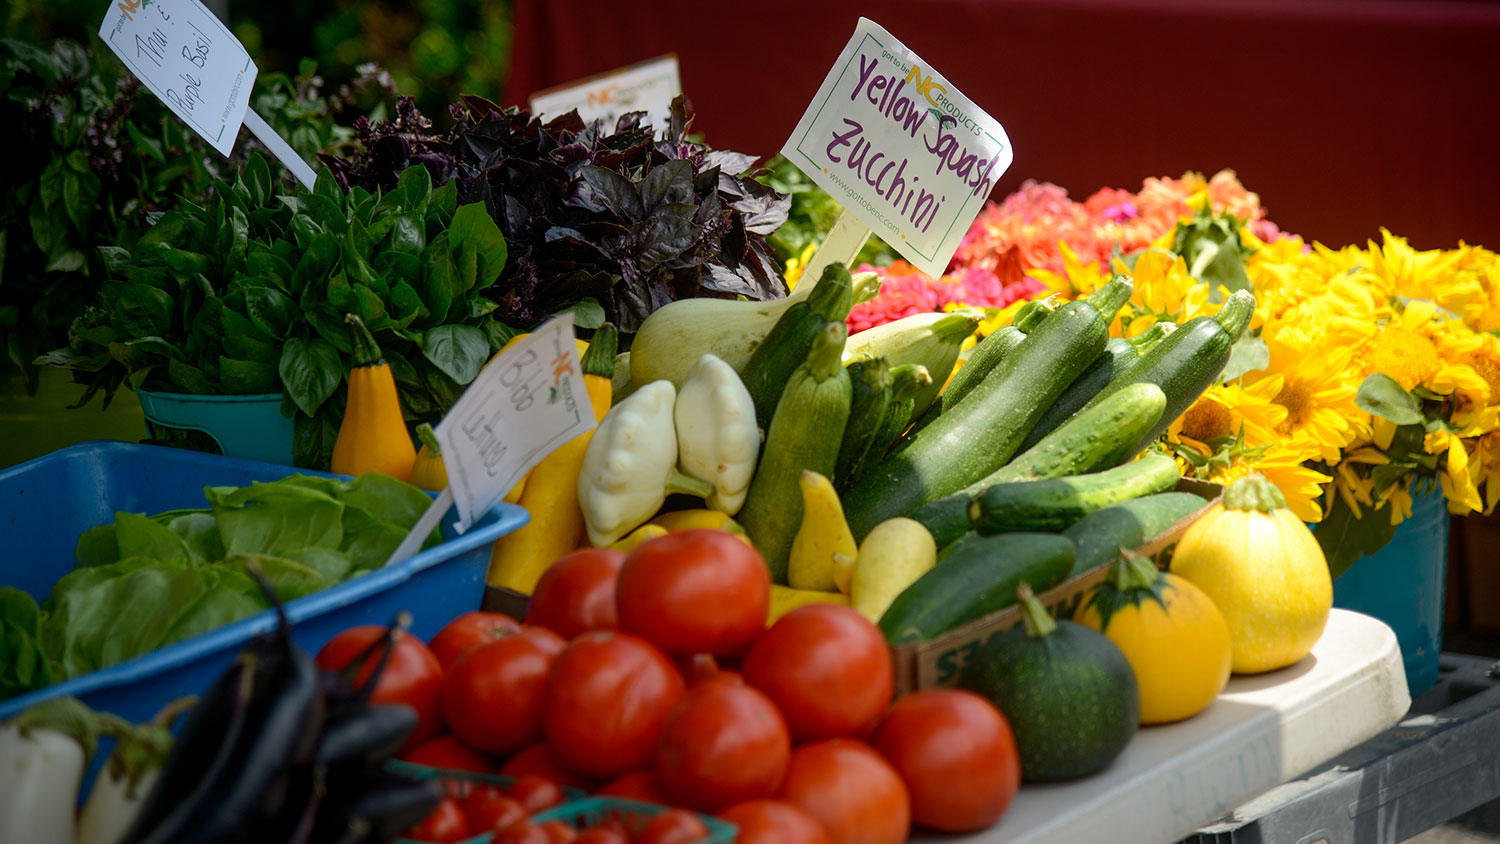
1296 397
1488 368
1404 355
1207 420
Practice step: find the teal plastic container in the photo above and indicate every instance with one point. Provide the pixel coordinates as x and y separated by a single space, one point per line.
247 427
1403 585
581 814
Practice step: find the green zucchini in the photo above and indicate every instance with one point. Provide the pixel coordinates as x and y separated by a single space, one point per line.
973 578
1119 354
870 382
1098 438
804 435
906 381
1099 536
1069 693
786 346
1189 360
981 433
1056 503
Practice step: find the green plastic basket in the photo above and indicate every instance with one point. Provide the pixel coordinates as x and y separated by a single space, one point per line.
462 782
247 427
591 811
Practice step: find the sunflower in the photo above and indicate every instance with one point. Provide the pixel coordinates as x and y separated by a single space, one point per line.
1300 485
1400 270
1407 349
1163 291
1227 410
1485 461
1314 381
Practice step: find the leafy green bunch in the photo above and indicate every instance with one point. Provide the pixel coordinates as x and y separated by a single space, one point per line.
97 157
145 582
247 294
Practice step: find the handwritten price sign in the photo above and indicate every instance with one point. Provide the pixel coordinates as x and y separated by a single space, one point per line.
187 58
522 406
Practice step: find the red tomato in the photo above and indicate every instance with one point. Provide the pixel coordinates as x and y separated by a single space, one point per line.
602 835
449 752
536 794
774 822
697 668
445 823
723 744
524 832
636 785
412 676
957 756
559 832
487 809
537 759
827 668
608 697
851 790
467 631
695 591
576 594
493 695
674 826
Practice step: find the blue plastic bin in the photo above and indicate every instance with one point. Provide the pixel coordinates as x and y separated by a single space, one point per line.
46 503
1403 585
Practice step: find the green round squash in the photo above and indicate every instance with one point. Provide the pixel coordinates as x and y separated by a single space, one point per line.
1069 693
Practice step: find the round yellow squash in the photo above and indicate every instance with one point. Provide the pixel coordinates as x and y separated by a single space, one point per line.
1265 572
1172 634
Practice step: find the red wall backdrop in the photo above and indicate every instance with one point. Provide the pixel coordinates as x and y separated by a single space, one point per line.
1344 115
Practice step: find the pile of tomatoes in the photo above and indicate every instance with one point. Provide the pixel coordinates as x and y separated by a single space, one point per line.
653 676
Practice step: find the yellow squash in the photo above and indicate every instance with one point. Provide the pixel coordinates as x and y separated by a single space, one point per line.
895 553
551 493
823 548
373 436
699 519
644 533
1264 571
784 599
1172 634
429 473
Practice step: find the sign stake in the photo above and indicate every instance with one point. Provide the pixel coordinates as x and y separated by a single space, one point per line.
280 148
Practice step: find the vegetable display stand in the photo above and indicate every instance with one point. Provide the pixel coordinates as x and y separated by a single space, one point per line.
1402 584
1262 731
47 503
247 427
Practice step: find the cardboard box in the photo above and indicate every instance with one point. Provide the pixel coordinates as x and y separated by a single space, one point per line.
938 661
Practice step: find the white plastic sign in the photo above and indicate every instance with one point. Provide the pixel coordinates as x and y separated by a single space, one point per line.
188 59
522 406
899 147
648 86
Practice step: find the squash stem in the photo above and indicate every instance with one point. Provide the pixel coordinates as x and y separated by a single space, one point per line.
366 350
832 298
1253 492
600 358
1109 299
1148 339
677 482
429 440
907 380
826 358
1234 317
1132 571
1034 616
866 287
1032 313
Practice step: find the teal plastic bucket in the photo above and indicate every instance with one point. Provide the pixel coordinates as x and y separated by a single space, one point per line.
1402 585
248 427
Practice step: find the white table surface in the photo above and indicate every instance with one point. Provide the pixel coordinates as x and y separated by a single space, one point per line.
1262 731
